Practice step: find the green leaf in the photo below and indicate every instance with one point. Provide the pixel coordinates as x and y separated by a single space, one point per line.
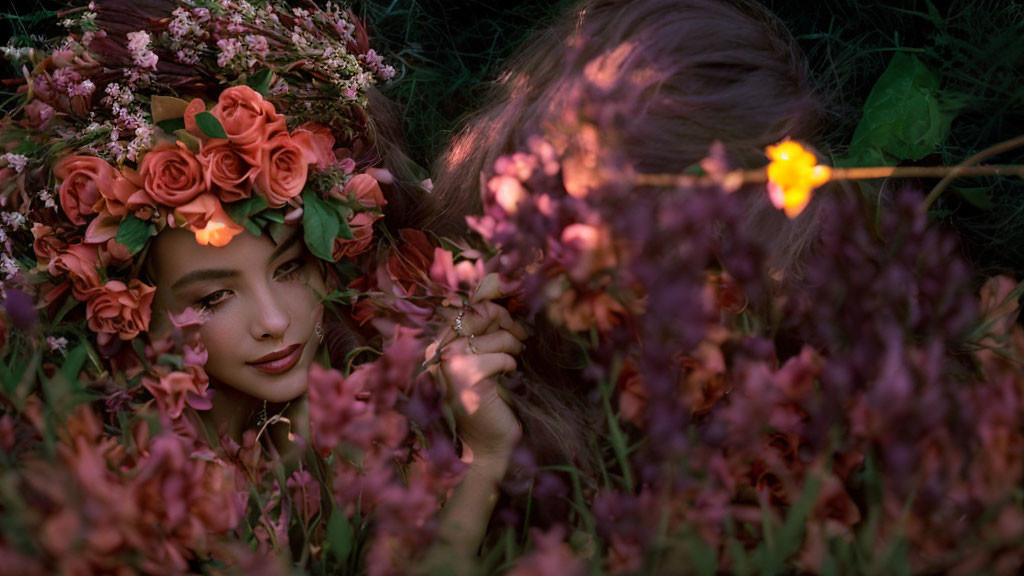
253 227
904 118
273 216
342 213
210 126
977 197
73 363
133 233
260 81
343 229
339 536
320 225
242 210
172 126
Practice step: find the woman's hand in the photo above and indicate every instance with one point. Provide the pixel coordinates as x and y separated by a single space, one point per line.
484 345
467 357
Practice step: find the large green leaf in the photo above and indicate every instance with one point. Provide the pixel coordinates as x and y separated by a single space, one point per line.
133 233
210 126
904 118
320 224
339 536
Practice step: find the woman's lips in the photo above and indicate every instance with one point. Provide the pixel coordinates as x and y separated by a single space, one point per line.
279 361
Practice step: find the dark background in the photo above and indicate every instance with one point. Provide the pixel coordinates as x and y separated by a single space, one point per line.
447 50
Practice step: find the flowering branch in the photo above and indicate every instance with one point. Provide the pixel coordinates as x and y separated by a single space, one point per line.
794 174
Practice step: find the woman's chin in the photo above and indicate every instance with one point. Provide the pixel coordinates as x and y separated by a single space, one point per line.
280 388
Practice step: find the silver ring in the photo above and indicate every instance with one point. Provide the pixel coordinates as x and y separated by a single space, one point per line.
457 326
472 348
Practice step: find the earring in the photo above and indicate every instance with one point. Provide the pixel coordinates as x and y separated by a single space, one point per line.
319 330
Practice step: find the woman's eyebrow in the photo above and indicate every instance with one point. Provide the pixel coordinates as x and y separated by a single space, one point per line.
284 246
200 275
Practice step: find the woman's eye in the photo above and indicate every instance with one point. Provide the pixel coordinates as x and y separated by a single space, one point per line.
207 303
289 269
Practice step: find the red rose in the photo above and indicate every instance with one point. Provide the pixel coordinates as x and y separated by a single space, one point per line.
46 243
86 181
317 139
171 175
248 119
80 262
119 309
226 172
284 165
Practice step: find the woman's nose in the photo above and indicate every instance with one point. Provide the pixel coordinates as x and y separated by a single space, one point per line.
271 318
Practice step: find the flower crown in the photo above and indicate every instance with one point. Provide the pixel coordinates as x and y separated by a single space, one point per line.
102 152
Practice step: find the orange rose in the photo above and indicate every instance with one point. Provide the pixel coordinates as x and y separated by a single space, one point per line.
119 309
248 119
80 262
171 175
362 229
284 166
317 139
226 172
86 181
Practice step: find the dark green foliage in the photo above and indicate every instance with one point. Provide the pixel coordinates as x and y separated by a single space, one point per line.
445 52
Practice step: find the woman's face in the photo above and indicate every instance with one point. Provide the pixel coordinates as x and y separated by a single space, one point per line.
261 301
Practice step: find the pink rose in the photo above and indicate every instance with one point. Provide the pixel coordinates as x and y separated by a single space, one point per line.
171 175
248 119
317 139
86 181
284 165
226 172
80 262
365 190
362 231
119 309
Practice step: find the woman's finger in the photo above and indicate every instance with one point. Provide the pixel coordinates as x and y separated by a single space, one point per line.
478 320
463 371
498 341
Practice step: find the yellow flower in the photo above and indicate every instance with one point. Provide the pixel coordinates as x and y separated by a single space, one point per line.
792 174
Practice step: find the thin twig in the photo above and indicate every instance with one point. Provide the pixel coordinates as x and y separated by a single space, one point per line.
987 152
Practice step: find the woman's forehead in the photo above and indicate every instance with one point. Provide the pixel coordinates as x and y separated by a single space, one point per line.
176 251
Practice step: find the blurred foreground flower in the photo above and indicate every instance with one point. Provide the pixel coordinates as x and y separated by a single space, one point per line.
792 174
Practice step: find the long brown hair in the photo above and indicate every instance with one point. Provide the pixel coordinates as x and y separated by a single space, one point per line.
708 70
704 70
